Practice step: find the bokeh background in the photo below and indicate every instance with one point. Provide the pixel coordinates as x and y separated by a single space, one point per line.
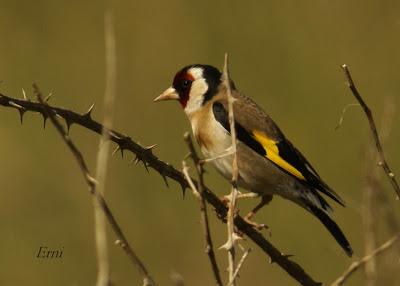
286 55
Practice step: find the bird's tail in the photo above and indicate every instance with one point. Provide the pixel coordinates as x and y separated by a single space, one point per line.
332 227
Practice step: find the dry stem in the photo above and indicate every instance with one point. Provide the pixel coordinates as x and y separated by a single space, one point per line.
239 266
147 280
203 208
104 147
230 244
368 113
357 264
371 201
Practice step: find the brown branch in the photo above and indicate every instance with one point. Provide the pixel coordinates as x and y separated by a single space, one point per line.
382 161
357 264
369 225
165 170
203 209
92 188
371 201
230 244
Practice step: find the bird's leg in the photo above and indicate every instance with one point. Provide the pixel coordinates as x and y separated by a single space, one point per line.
265 199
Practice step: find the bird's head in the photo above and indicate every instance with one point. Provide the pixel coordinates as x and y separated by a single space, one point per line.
193 86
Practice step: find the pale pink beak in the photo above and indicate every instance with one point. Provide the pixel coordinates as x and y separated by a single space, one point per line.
169 94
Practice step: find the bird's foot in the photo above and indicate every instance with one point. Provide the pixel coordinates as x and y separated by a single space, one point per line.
256 225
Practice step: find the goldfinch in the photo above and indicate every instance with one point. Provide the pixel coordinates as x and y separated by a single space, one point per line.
268 163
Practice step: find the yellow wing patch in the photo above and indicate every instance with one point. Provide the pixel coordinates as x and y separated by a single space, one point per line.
272 151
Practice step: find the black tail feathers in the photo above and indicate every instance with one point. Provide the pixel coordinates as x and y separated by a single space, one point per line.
332 227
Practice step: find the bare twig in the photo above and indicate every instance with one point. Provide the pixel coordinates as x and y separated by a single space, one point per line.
147 280
371 202
357 264
369 209
203 208
192 186
239 266
166 170
382 161
104 147
227 153
232 237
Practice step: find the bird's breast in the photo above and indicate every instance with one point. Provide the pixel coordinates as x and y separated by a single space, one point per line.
213 140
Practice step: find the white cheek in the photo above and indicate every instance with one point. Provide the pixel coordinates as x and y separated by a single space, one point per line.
198 89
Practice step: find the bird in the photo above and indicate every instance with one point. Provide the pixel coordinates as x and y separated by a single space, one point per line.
268 163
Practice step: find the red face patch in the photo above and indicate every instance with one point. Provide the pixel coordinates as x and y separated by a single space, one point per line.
182 84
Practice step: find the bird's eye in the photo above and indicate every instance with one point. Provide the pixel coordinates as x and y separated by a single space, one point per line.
186 83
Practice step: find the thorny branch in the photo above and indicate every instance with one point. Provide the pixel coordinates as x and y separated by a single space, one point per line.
382 161
49 113
203 209
357 264
232 237
165 170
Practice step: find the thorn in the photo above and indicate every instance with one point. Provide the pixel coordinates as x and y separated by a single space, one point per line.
44 121
21 114
391 175
117 149
13 104
145 165
48 97
183 187
227 245
231 242
135 160
88 113
236 237
24 95
112 134
120 243
271 261
165 179
68 122
287 255
149 148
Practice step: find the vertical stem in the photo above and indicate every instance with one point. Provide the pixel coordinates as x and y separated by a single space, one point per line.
102 154
232 205
372 203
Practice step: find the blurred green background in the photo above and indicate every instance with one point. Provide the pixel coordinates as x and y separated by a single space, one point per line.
286 55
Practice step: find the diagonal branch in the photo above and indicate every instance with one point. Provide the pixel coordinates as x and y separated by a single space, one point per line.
165 170
147 280
203 208
357 264
368 113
